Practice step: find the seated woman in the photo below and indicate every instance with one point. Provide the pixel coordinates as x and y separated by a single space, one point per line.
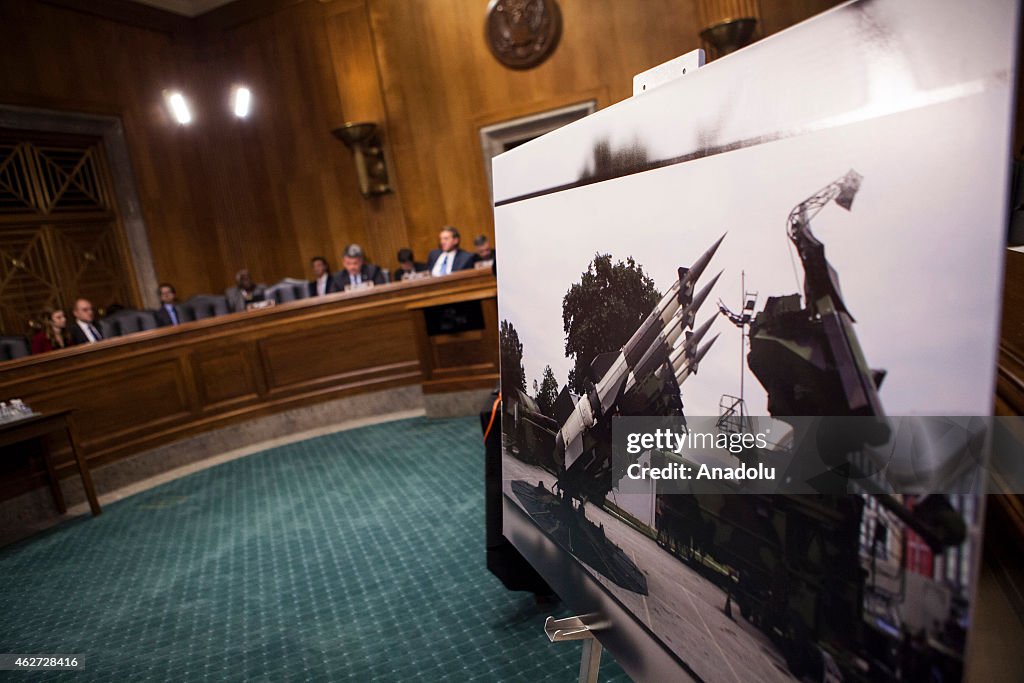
53 334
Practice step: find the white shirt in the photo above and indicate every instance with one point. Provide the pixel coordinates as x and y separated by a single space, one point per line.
321 284
439 265
87 331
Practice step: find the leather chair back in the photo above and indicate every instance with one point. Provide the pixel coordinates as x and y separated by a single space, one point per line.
13 347
205 306
127 321
287 290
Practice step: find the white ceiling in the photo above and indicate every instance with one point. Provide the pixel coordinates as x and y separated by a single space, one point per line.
188 8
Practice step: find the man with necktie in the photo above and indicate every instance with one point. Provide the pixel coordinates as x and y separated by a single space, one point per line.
322 282
356 270
169 314
449 258
83 331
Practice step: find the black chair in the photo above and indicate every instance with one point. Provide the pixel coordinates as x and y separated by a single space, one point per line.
288 289
13 347
203 306
127 321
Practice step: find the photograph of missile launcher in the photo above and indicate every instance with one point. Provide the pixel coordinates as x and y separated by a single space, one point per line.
791 564
869 571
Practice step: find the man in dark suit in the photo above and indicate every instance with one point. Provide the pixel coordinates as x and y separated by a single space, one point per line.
485 254
322 282
407 265
449 258
244 292
83 331
356 270
169 313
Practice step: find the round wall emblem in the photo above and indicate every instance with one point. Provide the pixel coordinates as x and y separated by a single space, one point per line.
522 33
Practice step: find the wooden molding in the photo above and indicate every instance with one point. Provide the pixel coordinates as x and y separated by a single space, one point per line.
131 13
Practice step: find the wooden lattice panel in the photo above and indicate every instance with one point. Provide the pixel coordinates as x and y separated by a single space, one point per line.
27 281
90 262
42 178
59 234
70 179
17 182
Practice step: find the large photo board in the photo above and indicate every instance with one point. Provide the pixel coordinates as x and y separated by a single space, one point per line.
812 226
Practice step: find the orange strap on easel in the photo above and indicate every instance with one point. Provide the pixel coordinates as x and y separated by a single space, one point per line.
494 411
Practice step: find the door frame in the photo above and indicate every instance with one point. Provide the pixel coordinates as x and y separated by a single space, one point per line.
115 148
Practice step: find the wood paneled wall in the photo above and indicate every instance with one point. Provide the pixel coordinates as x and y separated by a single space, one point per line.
273 190
59 59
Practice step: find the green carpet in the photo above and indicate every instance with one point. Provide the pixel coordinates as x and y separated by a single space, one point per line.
354 556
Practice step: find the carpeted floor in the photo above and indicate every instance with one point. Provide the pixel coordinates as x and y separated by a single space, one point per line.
354 556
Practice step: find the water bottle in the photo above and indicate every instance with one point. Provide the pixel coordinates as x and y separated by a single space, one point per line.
20 409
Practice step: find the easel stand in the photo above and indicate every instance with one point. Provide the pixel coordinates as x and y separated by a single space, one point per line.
580 628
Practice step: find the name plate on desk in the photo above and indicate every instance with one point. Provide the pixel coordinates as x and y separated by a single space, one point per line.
360 287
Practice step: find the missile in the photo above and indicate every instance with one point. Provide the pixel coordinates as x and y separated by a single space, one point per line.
646 349
661 347
691 311
678 296
658 318
686 317
609 386
689 279
691 366
677 360
686 350
643 391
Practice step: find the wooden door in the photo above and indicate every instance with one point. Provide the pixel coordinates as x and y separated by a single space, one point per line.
60 235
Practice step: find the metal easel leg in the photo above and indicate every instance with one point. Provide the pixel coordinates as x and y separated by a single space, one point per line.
590 662
580 628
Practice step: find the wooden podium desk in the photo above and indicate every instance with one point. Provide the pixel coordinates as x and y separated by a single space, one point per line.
136 392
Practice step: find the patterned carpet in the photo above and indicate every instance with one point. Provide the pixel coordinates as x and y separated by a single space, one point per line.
354 556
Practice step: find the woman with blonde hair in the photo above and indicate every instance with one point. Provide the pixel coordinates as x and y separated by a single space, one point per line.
53 334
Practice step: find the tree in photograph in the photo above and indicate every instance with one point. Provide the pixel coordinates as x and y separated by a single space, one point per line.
512 374
546 392
602 311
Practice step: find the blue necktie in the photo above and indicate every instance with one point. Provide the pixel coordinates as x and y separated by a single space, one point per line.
170 311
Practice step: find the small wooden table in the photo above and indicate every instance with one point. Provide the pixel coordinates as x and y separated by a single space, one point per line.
39 425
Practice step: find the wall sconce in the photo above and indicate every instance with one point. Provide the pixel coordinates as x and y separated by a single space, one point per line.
727 25
178 106
363 139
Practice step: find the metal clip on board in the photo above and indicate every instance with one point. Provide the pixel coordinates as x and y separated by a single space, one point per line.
667 72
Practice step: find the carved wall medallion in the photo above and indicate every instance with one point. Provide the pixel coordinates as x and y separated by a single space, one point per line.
522 33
